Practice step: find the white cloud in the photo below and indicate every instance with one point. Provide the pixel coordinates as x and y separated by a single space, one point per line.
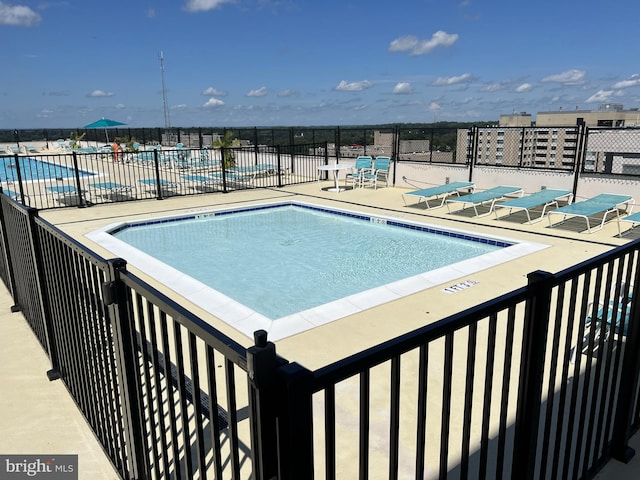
344 86
600 96
403 88
260 92
434 107
287 93
415 46
18 16
181 106
213 102
632 81
99 93
212 92
120 106
570 77
464 78
525 87
205 5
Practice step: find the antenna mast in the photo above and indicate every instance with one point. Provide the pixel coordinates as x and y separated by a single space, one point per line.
167 120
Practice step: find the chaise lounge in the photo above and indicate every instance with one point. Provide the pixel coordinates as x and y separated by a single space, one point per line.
602 204
440 192
543 198
490 196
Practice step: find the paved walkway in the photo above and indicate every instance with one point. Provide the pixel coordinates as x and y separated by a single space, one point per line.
39 417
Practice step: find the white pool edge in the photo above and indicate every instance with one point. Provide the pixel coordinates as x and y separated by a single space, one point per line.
247 321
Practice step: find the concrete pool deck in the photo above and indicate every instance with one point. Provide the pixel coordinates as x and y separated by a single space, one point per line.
66 432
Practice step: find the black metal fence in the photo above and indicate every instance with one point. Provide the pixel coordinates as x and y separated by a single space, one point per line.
541 382
82 178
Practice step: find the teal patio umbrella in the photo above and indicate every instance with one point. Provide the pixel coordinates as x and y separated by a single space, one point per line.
104 123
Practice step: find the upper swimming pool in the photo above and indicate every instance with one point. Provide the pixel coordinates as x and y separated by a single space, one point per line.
34 169
287 267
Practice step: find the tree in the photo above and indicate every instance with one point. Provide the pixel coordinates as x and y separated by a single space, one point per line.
225 144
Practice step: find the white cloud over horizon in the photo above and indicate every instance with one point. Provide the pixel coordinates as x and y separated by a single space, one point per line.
443 81
402 88
570 77
204 5
345 86
416 46
259 92
18 15
99 94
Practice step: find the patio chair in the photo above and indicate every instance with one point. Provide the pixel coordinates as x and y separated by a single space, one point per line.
633 219
113 191
490 196
440 192
597 331
167 188
602 204
363 163
202 183
543 198
67 194
379 171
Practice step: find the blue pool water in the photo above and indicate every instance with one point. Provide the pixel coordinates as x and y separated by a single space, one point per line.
34 169
286 259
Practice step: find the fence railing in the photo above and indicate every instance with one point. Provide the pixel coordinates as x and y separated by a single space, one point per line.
541 382
79 178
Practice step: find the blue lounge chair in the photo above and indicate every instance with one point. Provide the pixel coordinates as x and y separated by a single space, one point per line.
634 219
544 198
490 196
15 196
66 194
604 322
113 190
602 204
379 171
440 192
354 176
166 186
203 182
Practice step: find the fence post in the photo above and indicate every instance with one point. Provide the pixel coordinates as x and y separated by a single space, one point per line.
620 450
262 363
581 138
116 300
49 332
534 339
295 432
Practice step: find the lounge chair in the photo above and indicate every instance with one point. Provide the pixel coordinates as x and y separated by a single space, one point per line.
167 188
602 204
15 196
490 196
113 190
67 194
203 183
601 327
440 192
544 198
379 171
633 219
363 163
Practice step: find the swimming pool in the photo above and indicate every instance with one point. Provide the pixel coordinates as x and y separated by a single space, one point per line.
33 169
287 267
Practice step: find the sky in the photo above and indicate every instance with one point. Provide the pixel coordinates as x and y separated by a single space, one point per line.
263 63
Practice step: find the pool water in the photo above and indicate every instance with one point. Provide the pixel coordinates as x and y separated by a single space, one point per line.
279 261
34 169
288 267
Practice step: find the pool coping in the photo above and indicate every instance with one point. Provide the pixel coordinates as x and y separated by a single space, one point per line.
247 321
